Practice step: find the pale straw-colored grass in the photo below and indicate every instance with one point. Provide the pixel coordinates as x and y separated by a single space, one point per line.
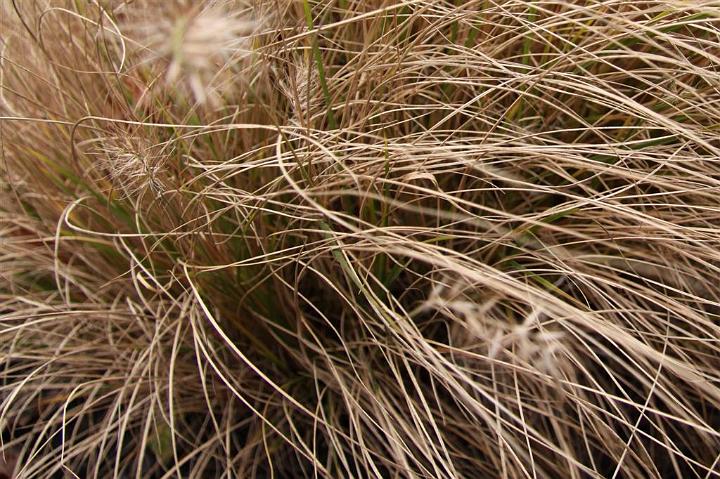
349 239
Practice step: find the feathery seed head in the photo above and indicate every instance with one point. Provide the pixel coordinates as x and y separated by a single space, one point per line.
132 166
528 341
302 88
200 45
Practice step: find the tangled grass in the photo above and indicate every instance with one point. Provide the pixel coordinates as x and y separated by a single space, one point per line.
360 238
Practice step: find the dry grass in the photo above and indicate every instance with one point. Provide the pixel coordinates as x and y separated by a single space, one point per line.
420 238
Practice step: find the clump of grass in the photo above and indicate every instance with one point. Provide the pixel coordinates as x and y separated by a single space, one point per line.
359 239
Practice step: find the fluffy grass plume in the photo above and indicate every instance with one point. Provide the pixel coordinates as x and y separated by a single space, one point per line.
359 239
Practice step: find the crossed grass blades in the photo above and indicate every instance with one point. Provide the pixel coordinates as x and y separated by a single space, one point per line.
355 239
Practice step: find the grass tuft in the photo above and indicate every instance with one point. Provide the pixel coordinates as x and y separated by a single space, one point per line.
350 239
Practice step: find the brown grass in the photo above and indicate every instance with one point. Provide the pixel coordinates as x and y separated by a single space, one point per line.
349 239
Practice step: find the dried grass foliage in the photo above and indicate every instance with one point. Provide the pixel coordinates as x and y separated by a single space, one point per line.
420 238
